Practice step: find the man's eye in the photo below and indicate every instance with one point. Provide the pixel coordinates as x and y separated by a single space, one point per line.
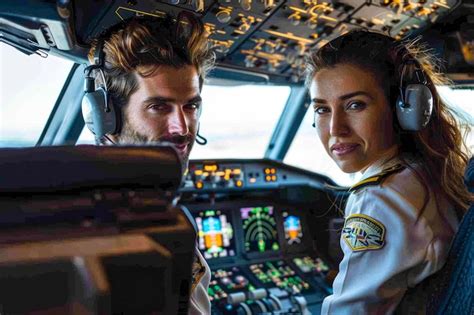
193 106
157 107
321 110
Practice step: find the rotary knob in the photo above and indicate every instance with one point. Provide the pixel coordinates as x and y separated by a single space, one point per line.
223 16
291 57
250 61
268 3
312 23
271 67
222 49
295 19
198 5
246 4
269 48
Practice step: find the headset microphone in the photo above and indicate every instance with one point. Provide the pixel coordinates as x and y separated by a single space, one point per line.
200 139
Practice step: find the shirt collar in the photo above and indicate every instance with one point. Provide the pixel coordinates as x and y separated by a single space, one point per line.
388 159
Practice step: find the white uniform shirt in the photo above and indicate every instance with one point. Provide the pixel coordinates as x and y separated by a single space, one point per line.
386 249
199 303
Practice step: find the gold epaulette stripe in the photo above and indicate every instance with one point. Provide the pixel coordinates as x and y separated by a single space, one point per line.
377 179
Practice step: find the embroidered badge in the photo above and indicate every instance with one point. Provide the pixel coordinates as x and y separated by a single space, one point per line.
362 232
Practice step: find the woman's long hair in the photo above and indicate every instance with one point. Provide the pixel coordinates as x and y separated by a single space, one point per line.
440 145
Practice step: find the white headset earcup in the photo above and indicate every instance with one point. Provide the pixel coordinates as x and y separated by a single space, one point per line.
99 121
414 113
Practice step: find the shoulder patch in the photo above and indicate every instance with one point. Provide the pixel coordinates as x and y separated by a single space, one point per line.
198 271
377 179
362 232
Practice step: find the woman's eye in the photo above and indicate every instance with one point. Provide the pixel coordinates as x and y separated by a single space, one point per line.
321 110
356 105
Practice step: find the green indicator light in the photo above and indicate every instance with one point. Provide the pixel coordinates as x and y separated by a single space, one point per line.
275 246
209 213
261 245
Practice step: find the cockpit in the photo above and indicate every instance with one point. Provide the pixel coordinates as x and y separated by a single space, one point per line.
265 200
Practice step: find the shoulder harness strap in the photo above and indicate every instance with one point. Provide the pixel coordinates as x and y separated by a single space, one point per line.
377 179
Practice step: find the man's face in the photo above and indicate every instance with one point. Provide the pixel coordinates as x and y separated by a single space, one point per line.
165 107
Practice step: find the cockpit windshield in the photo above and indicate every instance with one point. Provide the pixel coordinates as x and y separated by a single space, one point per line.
237 120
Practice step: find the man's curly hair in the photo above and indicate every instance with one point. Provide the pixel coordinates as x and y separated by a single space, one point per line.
142 44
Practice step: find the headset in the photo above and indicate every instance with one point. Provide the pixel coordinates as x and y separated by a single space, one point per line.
98 111
100 115
415 102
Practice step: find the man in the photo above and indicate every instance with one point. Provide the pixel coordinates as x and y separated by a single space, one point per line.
154 69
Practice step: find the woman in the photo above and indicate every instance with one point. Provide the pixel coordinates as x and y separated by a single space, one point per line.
401 217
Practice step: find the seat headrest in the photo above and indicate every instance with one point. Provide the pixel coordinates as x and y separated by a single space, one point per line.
49 169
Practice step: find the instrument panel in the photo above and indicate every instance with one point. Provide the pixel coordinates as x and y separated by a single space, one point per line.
261 258
265 250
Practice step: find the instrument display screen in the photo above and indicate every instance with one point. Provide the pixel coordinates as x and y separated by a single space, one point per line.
292 227
260 232
215 234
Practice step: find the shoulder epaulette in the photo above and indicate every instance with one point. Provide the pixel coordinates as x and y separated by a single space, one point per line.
378 178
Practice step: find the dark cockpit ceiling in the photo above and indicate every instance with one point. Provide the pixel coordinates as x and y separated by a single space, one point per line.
260 40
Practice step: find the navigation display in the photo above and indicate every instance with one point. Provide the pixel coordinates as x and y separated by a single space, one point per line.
293 230
216 235
260 233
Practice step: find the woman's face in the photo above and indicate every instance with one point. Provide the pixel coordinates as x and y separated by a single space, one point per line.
352 116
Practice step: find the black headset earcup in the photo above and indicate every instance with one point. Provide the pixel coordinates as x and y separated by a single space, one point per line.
414 111
99 113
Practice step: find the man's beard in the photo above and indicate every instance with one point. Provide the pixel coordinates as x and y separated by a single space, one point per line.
131 136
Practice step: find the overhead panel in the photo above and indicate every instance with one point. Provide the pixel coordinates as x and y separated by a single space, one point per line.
272 36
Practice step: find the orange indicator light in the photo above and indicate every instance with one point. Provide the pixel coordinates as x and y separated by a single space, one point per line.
210 168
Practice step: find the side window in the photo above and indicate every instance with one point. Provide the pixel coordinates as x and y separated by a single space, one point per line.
460 100
29 87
